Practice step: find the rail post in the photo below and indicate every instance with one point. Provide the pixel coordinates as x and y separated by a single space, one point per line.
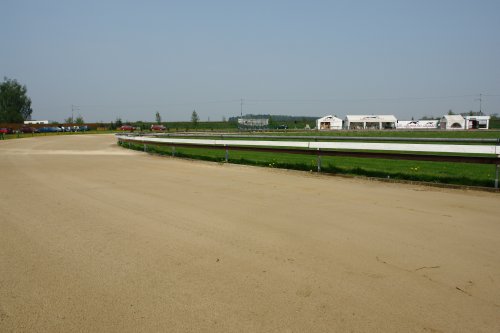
496 176
227 154
497 165
145 148
173 151
319 161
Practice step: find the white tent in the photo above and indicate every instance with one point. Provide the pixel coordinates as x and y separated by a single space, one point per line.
452 122
329 123
370 122
477 122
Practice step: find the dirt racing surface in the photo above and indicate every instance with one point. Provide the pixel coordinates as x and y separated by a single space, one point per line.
94 237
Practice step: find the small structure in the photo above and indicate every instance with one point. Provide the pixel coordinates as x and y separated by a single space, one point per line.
418 124
378 122
477 122
452 122
35 122
253 123
329 123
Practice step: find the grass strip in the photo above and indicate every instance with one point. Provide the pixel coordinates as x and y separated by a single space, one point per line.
435 172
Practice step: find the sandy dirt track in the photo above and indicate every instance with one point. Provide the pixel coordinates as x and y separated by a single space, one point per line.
94 237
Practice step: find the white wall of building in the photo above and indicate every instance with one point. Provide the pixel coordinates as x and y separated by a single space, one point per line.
452 122
34 122
417 124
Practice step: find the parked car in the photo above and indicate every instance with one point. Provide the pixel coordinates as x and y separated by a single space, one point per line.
49 130
27 129
126 128
6 130
158 128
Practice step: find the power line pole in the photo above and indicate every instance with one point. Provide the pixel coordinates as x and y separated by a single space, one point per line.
73 109
480 104
480 99
241 107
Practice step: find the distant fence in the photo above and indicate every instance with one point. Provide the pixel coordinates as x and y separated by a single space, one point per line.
469 153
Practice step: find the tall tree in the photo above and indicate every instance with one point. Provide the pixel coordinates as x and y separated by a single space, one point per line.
194 118
158 118
15 105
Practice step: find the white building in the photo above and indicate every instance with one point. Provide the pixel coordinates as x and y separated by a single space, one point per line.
370 122
452 122
417 124
35 122
477 122
253 122
329 123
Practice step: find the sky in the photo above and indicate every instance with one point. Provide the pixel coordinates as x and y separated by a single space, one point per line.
105 60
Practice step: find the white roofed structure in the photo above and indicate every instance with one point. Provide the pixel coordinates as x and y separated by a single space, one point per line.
329 123
378 122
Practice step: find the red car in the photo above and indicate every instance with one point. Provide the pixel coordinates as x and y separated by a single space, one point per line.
5 130
126 128
158 128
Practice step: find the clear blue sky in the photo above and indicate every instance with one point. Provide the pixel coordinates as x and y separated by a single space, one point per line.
130 59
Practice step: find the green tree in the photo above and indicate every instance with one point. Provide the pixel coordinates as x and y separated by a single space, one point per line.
158 118
15 105
118 122
69 120
79 120
194 118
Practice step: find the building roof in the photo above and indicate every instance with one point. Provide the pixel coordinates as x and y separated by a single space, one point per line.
329 117
454 118
371 118
478 117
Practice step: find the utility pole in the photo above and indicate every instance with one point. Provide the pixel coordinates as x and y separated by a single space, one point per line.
73 108
241 107
480 99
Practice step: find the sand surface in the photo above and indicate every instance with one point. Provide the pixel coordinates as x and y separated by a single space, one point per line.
94 237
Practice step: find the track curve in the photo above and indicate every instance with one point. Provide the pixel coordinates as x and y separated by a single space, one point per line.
98 238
